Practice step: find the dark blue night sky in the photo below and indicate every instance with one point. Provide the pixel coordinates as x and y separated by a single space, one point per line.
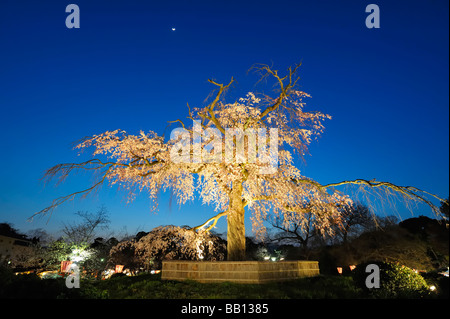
386 88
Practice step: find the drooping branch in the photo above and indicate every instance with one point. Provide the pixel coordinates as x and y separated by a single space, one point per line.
410 193
286 207
58 201
62 171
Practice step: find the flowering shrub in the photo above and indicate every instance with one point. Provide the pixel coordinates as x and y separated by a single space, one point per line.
169 242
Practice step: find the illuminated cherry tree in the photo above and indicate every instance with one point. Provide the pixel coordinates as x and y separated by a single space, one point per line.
167 243
237 157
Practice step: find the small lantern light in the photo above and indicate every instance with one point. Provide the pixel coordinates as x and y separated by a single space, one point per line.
119 269
65 265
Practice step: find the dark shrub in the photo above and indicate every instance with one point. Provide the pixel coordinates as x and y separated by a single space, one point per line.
32 287
443 287
434 278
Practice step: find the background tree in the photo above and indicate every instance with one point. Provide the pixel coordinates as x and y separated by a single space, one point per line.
7 229
85 231
303 232
124 253
98 260
57 251
294 233
421 243
40 236
78 244
358 218
269 184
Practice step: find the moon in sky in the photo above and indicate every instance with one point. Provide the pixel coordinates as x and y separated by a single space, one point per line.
173 29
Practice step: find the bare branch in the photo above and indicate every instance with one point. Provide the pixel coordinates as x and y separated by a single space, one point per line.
210 108
178 120
285 88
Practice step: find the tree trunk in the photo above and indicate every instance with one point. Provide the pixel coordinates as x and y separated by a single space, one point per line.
236 226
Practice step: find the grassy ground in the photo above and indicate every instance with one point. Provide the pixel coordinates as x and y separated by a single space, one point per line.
151 287
147 286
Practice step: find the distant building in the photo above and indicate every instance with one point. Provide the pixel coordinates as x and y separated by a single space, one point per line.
14 249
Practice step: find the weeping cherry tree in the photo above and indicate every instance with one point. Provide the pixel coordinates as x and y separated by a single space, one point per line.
238 157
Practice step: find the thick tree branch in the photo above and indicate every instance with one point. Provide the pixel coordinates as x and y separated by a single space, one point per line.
214 219
208 112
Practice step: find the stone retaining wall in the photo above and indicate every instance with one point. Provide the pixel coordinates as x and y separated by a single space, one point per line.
238 271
